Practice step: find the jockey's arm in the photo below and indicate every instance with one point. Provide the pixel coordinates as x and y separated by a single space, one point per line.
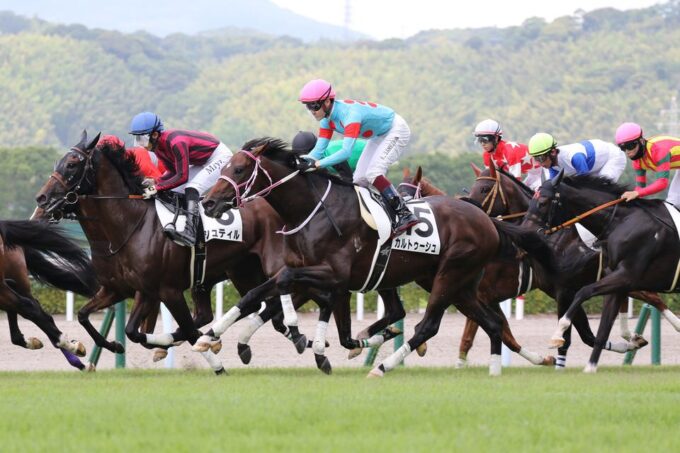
180 175
351 135
325 134
580 164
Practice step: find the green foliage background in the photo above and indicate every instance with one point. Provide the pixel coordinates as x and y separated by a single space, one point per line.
576 77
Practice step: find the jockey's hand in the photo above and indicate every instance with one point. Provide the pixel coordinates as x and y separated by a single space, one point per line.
630 195
149 192
306 164
148 182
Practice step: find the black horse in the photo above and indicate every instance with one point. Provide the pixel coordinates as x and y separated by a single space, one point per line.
640 244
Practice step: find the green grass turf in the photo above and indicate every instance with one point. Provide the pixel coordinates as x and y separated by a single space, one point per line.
411 409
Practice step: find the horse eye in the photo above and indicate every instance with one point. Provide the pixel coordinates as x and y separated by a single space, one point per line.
238 170
71 165
485 189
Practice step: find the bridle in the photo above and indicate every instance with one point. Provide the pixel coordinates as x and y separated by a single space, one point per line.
416 188
241 198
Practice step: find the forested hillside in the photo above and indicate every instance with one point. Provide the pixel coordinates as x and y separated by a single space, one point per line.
577 77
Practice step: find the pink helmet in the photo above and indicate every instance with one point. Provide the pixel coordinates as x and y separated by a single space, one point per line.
316 90
627 132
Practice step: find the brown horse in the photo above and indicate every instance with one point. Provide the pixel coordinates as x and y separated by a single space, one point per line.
500 194
639 241
333 247
131 255
47 254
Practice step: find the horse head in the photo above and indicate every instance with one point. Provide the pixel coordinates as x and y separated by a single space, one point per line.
73 176
545 207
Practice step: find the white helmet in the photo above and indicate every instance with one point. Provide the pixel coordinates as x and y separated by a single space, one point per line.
488 127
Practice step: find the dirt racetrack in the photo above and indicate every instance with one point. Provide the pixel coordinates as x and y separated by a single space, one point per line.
270 349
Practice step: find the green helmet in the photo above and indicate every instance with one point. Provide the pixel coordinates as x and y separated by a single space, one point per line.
541 143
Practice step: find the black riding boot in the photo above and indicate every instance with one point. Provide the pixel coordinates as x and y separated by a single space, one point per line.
403 219
188 235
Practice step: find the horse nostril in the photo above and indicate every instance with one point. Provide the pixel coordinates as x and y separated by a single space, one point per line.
41 200
208 204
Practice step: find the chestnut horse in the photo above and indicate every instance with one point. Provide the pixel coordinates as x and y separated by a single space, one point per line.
50 257
332 247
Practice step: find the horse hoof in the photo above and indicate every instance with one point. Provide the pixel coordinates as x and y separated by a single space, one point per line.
391 332
356 352
116 347
590 368
460 363
33 343
204 343
244 353
548 361
91 367
422 349
159 354
322 363
216 348
375 373
639 341
221 372
300 343
556 343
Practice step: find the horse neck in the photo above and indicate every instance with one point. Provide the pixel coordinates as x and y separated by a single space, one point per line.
576 201
427 189
518 201
110 219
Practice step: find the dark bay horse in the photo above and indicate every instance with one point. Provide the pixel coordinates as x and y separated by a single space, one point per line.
333 247
500 280
131 255
50 257
501 194
639 240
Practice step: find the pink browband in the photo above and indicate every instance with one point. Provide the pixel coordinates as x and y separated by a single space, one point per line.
241 199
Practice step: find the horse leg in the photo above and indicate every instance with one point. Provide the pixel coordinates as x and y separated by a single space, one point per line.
615 281
319 344
174 300
609 313
17 337
103 299
466 342
382 330
655 300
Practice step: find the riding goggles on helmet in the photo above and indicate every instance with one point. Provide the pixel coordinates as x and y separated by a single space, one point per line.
142 140
483 139
314 106
628 146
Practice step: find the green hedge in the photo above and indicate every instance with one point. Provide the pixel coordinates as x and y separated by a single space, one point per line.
54 301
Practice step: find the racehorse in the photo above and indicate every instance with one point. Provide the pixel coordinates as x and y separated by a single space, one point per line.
501 194
131 255
639 242
51 258
333 247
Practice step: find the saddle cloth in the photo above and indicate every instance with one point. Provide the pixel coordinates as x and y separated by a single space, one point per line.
229 227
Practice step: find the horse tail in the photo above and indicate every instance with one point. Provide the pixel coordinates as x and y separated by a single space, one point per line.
51 257
514 236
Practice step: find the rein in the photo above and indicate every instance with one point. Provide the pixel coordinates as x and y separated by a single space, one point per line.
580 217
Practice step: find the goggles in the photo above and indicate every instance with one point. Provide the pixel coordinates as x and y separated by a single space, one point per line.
314 106
628 146
141 140
484 139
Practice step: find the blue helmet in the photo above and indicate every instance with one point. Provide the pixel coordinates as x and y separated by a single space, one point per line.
146 123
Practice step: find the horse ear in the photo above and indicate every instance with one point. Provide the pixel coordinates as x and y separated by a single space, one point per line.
492 169
476 169
257 150
406 172
557 179
94 141
419 174
83 138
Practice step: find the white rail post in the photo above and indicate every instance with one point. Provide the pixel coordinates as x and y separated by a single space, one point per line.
69 305
630 308
506 354
380 309
219 300
519 307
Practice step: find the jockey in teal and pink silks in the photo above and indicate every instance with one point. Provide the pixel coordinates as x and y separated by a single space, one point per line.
387 134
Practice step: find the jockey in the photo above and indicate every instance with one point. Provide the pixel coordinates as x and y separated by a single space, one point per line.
191 158
593 157
387 134
304 142
660 153
512 157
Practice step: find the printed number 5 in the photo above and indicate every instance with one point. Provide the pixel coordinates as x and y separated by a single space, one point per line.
424 222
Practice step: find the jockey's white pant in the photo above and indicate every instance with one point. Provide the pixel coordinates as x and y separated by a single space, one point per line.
203 177
615 165
381 152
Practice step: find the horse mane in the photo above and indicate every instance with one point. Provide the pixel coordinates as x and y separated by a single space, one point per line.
526 189
597 183
428 187
279 151
126 164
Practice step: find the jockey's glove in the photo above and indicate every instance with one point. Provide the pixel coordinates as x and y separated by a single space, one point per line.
149 192
305 164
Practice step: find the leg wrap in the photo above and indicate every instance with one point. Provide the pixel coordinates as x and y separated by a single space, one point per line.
375 340
561 361
289 314
623 326
161 339
319 345
495 365
397 357
532 357
670 316
226 320
212 360
255 323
